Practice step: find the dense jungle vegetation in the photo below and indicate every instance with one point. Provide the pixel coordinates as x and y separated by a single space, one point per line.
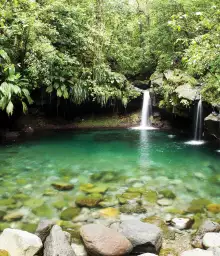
92 50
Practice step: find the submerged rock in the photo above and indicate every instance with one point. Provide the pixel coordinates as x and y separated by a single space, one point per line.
90 188
20 243
70 213
100 240
13 216
211 239
109 212
132 208
165 202
91 200
167 193
214 208
62 186
43 211
150 196
144 237
57 243
198 205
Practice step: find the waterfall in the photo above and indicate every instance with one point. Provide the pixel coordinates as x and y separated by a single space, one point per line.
146 110
198 121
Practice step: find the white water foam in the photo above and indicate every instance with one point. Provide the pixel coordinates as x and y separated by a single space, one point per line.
195 142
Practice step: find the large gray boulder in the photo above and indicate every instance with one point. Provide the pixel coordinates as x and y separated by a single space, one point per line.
103 241
20 243
215 250
145 237
188 92
207 226
57 243
212 123
43 229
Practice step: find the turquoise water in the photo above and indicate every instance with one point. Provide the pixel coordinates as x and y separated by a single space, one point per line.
148 157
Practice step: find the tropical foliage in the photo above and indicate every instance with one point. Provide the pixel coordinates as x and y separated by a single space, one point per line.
92 50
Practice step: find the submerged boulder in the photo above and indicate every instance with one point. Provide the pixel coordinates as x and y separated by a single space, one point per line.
70 213
90 188
103 241
62 186
212 123
90 200
20 243
144 237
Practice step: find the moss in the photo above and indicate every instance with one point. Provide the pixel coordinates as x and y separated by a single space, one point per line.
150 196
43 211
130 208
90 188
7 202
4 225
198 205
168 252
214 208
70 213
167 193
60 204
33 202
109 212
21 197
91 200
167 233
29 227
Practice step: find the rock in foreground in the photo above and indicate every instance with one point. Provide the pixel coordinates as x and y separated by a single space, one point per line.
20 243
100 240
144 237
57 243
197 252
211 240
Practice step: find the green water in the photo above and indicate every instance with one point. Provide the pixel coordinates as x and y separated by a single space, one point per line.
148 157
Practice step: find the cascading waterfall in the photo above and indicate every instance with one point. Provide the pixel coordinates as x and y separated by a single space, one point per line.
146 113
146 110
198 122
198 126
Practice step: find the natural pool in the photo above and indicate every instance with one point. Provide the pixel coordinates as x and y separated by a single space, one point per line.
113 167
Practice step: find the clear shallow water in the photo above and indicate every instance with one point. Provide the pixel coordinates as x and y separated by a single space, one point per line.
153 157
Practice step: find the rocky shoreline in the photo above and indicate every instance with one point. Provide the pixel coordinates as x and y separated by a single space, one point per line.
129 237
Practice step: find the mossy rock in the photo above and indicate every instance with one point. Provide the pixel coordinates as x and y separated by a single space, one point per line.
4 225
135 208
131 195
214 208
108 201
21 197
198 220
70 213
215 179
90 188
62 186
13 216
72 229
109 212
34 202
167 193
121 199
43 211
49 192
2 214
167 233
60 204
198 205
168 252
4 253
29 227
108 176
91 200
66 224
136 190
150 196
22 181
7 202
175 211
